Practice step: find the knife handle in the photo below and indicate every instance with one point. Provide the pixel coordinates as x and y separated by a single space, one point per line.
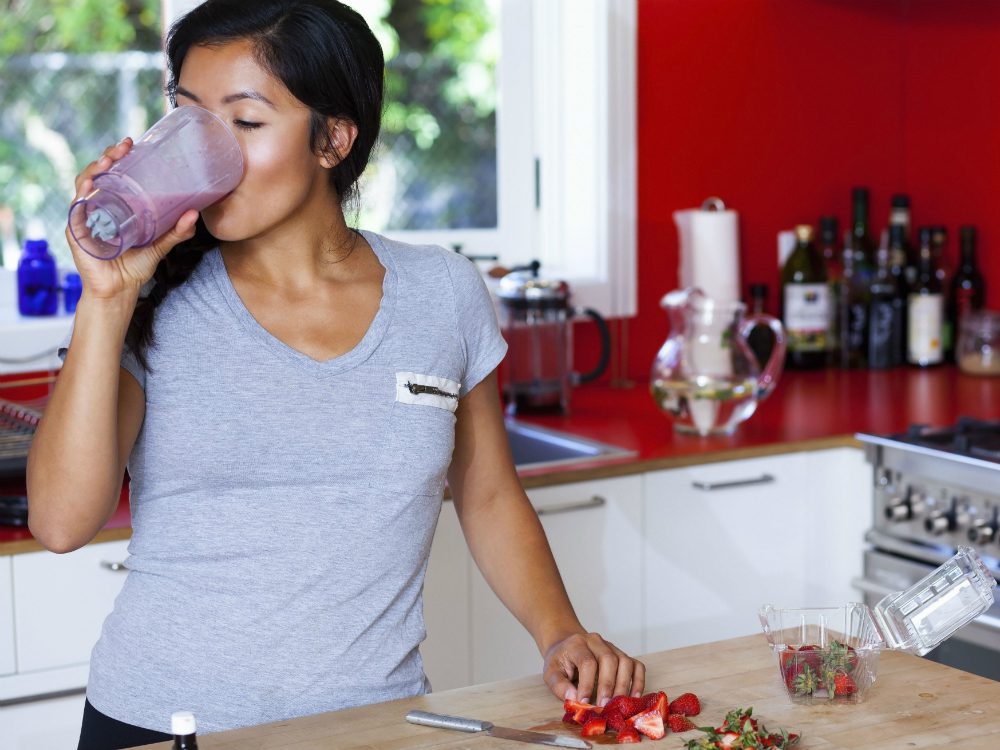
443 721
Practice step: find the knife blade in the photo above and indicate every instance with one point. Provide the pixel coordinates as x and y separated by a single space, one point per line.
462 724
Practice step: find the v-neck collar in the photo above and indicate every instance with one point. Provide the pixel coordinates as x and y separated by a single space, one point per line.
342 362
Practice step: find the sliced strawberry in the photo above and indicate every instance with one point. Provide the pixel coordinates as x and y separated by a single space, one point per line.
651 701
616 721
568 718
680 723
595 727
727 739
629 736
650 724
625 704
686 704
580 711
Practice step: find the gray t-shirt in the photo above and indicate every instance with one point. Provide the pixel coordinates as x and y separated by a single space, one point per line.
283 508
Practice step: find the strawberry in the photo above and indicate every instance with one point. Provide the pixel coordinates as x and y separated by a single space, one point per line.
843 684
650 724
680 723
656 702
616 721
594 727
727 739
625 704
580 711
812 656
687 704
629 736
568 718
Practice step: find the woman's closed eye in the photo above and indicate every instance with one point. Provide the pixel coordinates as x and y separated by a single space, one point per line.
245 125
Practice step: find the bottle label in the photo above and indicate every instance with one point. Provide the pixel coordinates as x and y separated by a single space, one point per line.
807 316
924 333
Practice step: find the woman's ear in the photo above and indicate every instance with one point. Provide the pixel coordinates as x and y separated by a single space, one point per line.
340 135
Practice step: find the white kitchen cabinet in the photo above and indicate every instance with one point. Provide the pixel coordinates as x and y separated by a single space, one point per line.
7 662
593 528
446 651
722 539
52 724
60 602
838 513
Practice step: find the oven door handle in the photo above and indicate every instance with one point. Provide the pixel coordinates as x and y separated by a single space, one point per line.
878 589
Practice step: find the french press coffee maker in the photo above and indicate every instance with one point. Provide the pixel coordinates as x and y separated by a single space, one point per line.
536 318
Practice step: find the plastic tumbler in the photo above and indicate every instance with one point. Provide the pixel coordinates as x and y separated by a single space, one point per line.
188 159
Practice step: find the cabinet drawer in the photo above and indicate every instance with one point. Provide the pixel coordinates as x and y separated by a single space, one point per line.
7 662
60 602
721 540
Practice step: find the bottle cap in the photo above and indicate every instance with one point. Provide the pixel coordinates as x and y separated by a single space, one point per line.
925 235
900 200
803 232
758 291
35 247
182 723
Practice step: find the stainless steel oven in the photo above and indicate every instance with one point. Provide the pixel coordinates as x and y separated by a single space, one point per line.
935 489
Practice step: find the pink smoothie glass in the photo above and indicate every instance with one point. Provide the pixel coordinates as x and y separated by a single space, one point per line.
188 159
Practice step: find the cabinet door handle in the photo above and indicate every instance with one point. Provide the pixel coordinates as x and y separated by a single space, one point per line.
595 502
712 486
116 567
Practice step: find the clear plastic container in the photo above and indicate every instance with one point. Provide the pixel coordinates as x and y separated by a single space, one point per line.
842 644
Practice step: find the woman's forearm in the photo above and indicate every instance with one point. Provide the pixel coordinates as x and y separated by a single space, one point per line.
75 468
509 546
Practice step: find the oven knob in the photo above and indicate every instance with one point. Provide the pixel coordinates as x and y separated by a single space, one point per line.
936 523
897 510
982 532
918 501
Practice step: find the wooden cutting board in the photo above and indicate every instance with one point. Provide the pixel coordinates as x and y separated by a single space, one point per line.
915 704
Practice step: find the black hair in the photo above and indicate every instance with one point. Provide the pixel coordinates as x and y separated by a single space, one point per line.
325 55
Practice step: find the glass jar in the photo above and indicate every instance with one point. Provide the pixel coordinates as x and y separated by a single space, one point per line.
978 350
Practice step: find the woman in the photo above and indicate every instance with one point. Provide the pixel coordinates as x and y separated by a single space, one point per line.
289 398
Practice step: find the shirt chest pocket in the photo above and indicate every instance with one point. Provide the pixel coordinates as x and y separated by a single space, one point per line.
420 437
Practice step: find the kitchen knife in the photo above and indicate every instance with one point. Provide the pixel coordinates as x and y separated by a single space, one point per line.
461 724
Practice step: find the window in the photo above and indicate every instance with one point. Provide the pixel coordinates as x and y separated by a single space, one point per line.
562 174
76 76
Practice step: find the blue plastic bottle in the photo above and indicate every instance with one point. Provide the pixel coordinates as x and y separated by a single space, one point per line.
72 289
37 280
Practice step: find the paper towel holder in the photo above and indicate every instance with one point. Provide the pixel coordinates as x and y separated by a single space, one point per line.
713 203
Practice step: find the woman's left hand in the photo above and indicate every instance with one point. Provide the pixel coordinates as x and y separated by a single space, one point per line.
578 664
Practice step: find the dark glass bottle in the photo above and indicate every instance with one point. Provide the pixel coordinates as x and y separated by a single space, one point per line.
861 239
925 310
853 305
899 267
833 263
805 300
885 316
967 285
183 728
761 338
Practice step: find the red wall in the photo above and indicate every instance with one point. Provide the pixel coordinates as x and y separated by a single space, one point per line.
782 106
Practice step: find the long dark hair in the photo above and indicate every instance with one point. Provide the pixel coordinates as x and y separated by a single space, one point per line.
325 55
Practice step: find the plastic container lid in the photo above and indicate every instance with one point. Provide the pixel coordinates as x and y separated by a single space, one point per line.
931 610
182 723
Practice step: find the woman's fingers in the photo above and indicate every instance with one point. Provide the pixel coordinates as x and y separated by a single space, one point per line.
585 665
85 180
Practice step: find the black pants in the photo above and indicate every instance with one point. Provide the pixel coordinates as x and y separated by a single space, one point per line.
100 732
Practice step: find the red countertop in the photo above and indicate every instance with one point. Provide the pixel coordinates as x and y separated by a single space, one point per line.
807 411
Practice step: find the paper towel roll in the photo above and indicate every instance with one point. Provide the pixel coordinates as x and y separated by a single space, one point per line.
710 250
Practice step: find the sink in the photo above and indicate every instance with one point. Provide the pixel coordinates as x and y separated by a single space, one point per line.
534 446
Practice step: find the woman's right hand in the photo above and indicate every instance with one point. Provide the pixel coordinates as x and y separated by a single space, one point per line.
127 273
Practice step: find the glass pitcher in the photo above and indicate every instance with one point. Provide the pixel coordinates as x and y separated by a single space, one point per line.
705 375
